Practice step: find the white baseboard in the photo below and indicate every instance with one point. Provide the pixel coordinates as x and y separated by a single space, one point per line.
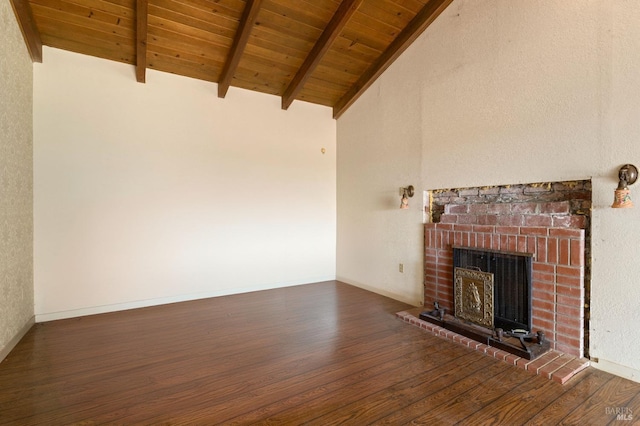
394 296
617 369
14 341
94 310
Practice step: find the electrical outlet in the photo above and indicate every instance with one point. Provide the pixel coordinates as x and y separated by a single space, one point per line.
401 267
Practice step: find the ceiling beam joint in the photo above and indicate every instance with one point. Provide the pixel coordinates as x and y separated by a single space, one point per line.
417 26
142 14
249 16
344 12
30 33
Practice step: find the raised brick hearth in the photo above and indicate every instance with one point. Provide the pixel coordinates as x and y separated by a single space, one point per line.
548 230
553 365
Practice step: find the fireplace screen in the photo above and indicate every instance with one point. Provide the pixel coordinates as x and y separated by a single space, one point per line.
512 278
473 294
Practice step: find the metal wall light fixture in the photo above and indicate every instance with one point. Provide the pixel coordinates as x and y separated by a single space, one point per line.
405 194
628 174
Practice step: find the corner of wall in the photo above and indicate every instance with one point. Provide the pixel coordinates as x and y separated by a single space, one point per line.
8 347
617 369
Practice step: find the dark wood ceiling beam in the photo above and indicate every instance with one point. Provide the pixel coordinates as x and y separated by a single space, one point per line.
142 14
421 22
345 11
240 41
30 33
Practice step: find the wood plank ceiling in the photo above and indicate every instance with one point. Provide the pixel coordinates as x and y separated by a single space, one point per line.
326 52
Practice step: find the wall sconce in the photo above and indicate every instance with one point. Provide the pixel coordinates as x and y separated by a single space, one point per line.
628 175
405 194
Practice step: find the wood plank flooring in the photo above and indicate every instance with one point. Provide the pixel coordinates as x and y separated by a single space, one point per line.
319 354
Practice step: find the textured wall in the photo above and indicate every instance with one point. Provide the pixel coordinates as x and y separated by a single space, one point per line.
16 180
498 92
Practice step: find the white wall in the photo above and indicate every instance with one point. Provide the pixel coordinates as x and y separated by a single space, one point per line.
377 155
502 92
16 183
159 192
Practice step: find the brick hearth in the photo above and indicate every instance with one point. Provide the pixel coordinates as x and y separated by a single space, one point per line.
548 231
553 365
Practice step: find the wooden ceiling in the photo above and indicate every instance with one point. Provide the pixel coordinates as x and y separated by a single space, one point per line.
325 52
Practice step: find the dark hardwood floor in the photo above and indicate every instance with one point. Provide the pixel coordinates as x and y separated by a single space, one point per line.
320 354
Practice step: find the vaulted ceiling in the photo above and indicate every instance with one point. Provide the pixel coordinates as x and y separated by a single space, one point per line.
326 52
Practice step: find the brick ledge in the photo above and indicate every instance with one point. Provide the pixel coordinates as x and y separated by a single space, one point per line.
553 365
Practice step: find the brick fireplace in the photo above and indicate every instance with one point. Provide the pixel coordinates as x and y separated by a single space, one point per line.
551 225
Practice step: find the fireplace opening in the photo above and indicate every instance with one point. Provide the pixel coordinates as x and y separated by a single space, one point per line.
506 275
492 300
